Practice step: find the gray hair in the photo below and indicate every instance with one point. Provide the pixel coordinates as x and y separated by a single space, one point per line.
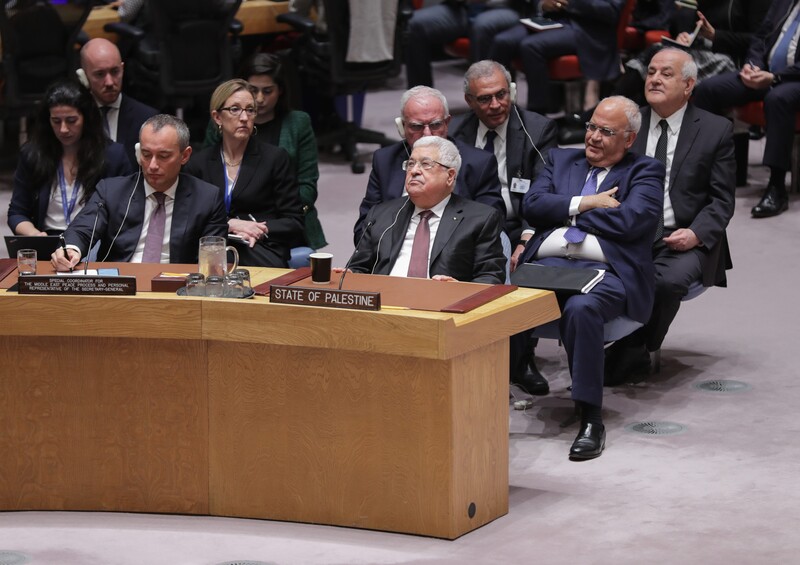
689 70
483 69
161 121
422 92
448 152
631 110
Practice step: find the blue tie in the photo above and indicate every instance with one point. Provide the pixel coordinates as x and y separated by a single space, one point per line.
574 234
490 136
779 56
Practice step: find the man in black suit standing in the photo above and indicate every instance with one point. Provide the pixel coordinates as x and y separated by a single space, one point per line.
518 139
423 112
101 72
433 233
157 215
697 149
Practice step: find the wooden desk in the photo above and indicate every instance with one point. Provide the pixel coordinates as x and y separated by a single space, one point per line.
394 420
257 16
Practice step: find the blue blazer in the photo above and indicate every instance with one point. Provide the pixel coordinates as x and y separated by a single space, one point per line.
625 233
29 203
477 179
199 210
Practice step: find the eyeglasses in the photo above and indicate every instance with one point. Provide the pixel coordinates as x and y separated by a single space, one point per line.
236 110
486 99
604 131
417 127
425 164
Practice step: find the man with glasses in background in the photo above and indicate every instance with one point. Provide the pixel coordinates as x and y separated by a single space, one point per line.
424 112
597 208
433 232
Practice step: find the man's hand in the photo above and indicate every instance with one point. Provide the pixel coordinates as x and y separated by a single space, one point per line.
61 263
554 5
251 232
515 257
706 29
682 239
600 200
443 278
755 78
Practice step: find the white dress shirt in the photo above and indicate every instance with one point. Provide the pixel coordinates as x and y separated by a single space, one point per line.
673 131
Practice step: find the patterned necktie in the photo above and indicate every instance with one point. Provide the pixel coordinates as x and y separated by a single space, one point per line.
780 54
575 234
490 137
104 110
155 231
661 155
418 265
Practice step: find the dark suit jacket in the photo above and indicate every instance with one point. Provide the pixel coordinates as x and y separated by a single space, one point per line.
198 211
132 114
766 36
522 158
267 190
467 244
625 233
702 182
477 179
29 203
595 26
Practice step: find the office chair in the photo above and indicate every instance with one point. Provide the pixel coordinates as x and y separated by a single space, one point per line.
38 46
321 63
186 52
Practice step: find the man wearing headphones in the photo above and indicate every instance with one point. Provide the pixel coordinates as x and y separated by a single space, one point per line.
157 215
519 139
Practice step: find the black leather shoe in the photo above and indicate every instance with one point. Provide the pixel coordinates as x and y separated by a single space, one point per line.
589 443
774 202
626 364
533 382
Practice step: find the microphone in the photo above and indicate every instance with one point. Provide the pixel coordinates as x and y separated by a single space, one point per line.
350 260
100 206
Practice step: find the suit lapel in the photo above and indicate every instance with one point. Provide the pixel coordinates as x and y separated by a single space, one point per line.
640 143
180 215
250 163
451 217
689 131
399 232
577 176
515 144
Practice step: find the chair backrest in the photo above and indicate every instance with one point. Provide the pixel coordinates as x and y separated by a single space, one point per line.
194 47
355 76
38 41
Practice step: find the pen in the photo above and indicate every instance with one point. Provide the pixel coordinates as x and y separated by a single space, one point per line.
64 249
256 221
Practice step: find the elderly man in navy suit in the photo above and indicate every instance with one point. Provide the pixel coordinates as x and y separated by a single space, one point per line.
433 233
101 71
424 112
597 208
698 202
157 216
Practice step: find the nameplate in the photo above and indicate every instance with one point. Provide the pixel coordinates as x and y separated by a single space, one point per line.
79 284
326 297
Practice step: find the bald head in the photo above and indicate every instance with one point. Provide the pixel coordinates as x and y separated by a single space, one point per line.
102 64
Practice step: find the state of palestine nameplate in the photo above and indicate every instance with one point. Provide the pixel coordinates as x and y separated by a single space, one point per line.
326 297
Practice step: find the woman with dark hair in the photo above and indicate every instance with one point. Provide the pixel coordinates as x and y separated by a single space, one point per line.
257 180
67 154
290 129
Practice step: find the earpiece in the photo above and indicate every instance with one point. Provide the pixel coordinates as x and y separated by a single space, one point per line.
400 129
512 92
137 149
82 77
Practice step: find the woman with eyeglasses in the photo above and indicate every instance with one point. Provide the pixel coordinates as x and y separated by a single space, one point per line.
291 129
67 154
265 217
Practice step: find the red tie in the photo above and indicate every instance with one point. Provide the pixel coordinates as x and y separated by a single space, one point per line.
418 266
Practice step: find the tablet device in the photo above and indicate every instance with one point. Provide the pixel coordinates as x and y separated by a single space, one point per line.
44 245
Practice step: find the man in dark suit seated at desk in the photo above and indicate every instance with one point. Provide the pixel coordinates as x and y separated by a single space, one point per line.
433 233
597 208
697 148
155 219
101 72
424 112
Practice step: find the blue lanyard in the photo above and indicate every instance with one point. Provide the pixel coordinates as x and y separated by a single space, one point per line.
228 186
68 208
